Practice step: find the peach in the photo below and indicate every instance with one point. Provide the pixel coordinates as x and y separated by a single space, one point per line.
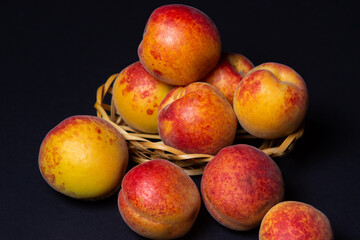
228 73
292 220
158 200
239 185
196 119
271 101
137 96
84 157
180 44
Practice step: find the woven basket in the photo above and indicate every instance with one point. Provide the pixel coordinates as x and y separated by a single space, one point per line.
145 147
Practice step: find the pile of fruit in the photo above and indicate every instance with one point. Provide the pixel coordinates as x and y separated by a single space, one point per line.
195 97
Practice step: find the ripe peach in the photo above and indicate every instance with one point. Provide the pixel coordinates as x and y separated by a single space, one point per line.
291 220
196 119
180 44
239 185
271 101
84 157
158 200
228 73
137 96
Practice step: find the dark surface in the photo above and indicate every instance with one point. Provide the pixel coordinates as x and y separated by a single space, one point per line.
55 55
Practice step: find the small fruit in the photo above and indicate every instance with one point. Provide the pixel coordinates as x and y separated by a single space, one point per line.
291 220
137 96
180 44
271 101
158 200
196 119
84 157
228 73
239 185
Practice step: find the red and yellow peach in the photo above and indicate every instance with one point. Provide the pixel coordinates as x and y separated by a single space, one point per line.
271 101
180 44
239 185
84 157
158 200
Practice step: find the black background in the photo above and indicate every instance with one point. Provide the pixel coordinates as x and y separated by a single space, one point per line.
54 55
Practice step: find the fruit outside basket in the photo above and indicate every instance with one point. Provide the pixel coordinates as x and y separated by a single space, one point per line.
145 147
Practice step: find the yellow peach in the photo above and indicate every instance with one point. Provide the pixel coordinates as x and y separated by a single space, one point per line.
271 101
84 157
137 96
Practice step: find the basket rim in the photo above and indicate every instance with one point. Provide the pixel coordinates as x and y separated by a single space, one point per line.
147 146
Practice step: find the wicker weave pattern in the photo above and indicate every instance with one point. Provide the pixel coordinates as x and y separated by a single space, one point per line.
145 147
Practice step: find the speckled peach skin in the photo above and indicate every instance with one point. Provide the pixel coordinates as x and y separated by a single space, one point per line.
84 157
137 96
228 73
158 200
239 185
180 44
292 220
196 119
271 101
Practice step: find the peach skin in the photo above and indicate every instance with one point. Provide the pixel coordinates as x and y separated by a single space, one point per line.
271 101
158 200
196 119
180 44
239 185
228 73
292 220
137 96
84 157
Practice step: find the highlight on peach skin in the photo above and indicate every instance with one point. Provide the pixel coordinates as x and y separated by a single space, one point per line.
228 73
137 96
180 44
271 101
239 185
196 119
84 157
292 220
158 200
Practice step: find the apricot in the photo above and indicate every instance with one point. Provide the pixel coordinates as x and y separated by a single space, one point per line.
228 73
239 185
180 44
84 157
196 119
271 101
158 200
292 220
137 96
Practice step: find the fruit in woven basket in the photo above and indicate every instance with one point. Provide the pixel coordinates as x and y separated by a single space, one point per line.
228 73
137 96
271 101
158 200
239 185
180 44
84 157
196 119
292 220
